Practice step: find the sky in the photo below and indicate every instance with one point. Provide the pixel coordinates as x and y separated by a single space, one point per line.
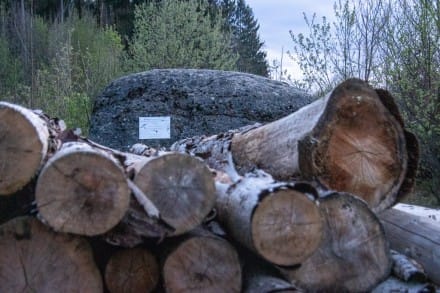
277 17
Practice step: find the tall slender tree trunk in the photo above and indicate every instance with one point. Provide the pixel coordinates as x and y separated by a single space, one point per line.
61 11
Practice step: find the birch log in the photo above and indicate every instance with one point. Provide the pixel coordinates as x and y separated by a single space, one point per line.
279 221
352 140
416 237
393 284
179 186
202 262
82 190
25 142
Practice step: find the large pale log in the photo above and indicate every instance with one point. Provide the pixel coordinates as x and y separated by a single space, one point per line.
35 259
202 262
354 254
352 140
414 236
26 140
279 221
132 270
82 190
428 214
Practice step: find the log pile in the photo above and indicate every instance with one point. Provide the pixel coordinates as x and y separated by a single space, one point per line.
296 205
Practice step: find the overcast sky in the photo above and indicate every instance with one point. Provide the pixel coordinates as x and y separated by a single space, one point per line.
277 17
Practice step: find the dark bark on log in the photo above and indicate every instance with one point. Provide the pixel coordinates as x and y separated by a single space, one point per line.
279 221
28 138
35 259
352 140
415 237
201 262
132 270
354 254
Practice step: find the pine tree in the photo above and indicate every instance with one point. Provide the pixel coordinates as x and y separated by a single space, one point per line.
246 40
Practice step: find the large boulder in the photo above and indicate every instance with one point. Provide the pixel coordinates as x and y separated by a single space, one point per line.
198 102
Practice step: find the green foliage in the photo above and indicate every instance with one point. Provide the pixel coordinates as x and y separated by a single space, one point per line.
412 68
84 59
11 69
57 56
179 34
71 63
313 53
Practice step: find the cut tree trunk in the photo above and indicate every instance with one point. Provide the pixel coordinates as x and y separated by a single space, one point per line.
26 139
416 237
279 221
82 190
354 254
132 270
352 140
180 186
182 189
35 259
202 262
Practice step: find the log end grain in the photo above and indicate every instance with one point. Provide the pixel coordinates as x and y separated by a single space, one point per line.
354 255
358 146
35 259
132 270
181 187
82 191
23 146
202 264
286 227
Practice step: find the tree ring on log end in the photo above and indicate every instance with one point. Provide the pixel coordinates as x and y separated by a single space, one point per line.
286 227
181 187
361 147
354 255
23 146
82 191
202 264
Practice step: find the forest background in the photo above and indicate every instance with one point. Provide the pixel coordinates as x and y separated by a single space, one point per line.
58 55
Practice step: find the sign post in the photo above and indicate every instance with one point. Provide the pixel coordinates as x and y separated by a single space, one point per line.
154 127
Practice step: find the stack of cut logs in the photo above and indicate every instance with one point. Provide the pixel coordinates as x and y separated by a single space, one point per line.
300 204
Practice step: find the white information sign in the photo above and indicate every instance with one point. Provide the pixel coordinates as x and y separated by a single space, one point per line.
154 127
